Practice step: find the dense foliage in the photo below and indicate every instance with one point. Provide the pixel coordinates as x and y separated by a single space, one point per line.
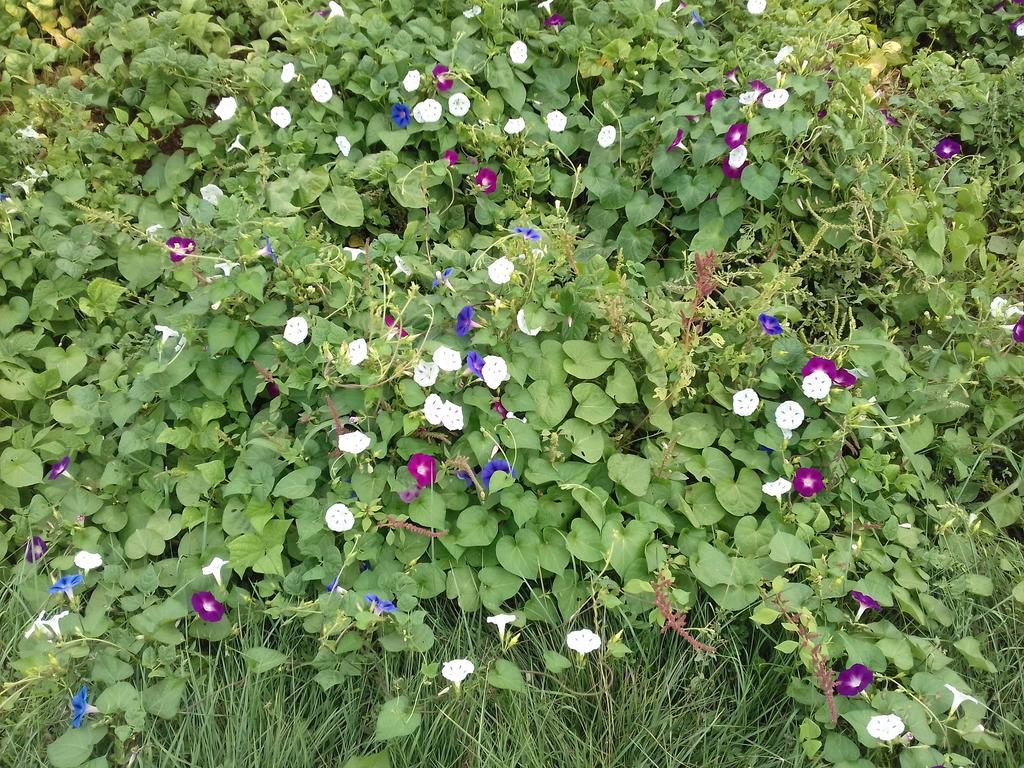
421 301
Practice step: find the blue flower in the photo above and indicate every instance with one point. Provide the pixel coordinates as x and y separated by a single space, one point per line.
443 276
65 584
464 476
80 707
465 322
765 448
529 233
770 324
400 114
379 605
495 465
267 250
696 19
475 363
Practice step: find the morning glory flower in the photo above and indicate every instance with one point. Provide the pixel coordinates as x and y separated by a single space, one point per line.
59 468
959 697
80 707
321 91
423 468
606 136
528 233
494 371
712 98
500 271
212 194
759 89
769 324
451 156
458 104
213 568
866 603
442 83
853 680
427 111
889 119
677 141
465 323
784 53
583 641
354 442
226 267
495 465
335 587
756 7
281 117
554 20
817 385
501 621
457 670
339 518
775 99
35 548
844 378
729 171
473 12
696 19
1018 331
358 352
180 247
379 606
425 374
522 325
487 180
447 359
401 115
166 334
808 482
227 108
268 250
518 52
737 157
237 143
777 488
50 627
393 324
946 148
556 121
296 330
1017 27
288 72
208 607
885 727
475 363
411 82
66 584
822 364
736 135
344 145
514 125
745 402
88 561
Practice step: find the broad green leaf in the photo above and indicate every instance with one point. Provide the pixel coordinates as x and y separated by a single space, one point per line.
343 206
396 718
297 484
594 406
261 659
761 180
631 472
506 675
787 548
20 467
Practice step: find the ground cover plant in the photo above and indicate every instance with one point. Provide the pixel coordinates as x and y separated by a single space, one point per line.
605 365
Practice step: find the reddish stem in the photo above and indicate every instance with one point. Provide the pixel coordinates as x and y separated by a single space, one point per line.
674 620
405 525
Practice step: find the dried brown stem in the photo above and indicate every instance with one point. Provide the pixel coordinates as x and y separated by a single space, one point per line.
823 673
405 525
674 620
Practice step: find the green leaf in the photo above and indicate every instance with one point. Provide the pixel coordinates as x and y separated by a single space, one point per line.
396 718
343 206
555 662
970 649
643 207
631 472
621 386
297 484
71 749
696 430
551 401
594 406
261 659
584 360
376 760
787 548
20 467
761 180
741 496
504 674
164 698
937 235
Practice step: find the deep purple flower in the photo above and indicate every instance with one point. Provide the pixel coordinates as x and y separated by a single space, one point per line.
1017 25
712 97
409 495
180 247
464 476
770 324
677 141
443 83
946 148
208 607
59 468
423 468
736 135
390 322
808 482
729 171
273 390
487 180
554 20
759 88
528 233
866 602
853 680
379 605
401 115
492 466
499 408
822 113
889 119
731 75
443 276
1018 331
35 548
475 363
464 324
451 156
819 364
844 378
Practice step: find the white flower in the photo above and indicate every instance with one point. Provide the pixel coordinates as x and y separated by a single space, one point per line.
339 518
353 442
738 156
521 322
816 385
457 670
344 145
756 7
401 266
515 125
321 91
546 5
296 330
428 111
213 568
211 193
659 3
227 108
783 54
500 271
745 402
225 266
433 409
280 117
789 415
411 81
1001 309
885 727
518 52
959 697
357 352
583 641
775 99
335 10
237 143
748 98
1020 33
606 136
447 359
494 371
425 374
469 13
287 73
451 416
167 334
777 488
353 253
49 627
88 561
29 132
501 621
458 104
556 121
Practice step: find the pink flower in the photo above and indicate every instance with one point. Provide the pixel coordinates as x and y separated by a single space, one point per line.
395 326
808 482
844 378
487 180
712 98
423 468
451 156
180 247
820 364
500 409
443 83
729 171
207 606
736 135
677 141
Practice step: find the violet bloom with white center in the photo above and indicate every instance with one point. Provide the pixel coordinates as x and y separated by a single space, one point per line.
423 468
677 141
770 324
554 20
819 364
808 482
442 83
731 75
1017 27
1018 331
736 135
66 585
487 180
180 247
208 607
729 171
844 378
35 548
465 323
853 680
267 250
379 605
946 148
712 98
866 603
59 468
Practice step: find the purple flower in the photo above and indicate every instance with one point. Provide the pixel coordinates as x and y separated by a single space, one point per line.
401 115
59 468
528 233
464 324
379 605
499 408
443 83
759 88
731 75
390 322
736 135
409 495
554 20
819 364
822 113
1017 25
66 584
464 476
677 141
696 19
711 98
268 250
889 119
853 680
451 156
423 468
475 363
180 247
492 466
443 276
487 180
946 148
770 324
729 171
808 482
35 548
1018 331
867 603
208 607
844 378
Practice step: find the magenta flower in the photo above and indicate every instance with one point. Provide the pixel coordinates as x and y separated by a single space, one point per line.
390 322
409 495
731 75
35 548
500 409
889 119
554 20
442 83
1017 25
819 364
59 468
677 141
808 482
712 98
423 468
736 135
853 680
451 156
487 180
866 603
208 607
1018 331
844 378
180 247
729 171
759 89
946 148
